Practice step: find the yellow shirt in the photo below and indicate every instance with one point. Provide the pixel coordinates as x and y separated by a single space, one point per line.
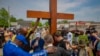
13 38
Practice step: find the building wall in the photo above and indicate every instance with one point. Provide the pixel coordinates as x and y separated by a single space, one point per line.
82 26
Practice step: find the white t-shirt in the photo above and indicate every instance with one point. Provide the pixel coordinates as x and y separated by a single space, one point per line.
69 37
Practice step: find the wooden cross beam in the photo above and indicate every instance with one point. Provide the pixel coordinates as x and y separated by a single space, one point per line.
46 15
52 15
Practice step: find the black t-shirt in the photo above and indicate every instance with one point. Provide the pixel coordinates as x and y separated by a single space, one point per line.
1 35
62 44
63 33
58 51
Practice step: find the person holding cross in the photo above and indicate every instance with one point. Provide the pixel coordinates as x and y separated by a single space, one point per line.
14 48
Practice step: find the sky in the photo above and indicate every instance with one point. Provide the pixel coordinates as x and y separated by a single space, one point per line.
83 10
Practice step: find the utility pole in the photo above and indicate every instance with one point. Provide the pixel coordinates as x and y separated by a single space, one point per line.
76 25
8 17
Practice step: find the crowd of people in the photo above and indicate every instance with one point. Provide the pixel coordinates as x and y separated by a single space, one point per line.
27 42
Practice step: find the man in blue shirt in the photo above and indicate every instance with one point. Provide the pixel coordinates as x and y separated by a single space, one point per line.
37 43
37 46
14 49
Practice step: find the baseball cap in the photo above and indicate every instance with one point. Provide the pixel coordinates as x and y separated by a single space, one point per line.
37 35
22 39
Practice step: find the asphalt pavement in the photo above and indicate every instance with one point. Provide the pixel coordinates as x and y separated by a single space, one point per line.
1 51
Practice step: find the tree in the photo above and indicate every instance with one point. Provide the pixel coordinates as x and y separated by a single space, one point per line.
3 23
64 21
20 19
40 24
46 24
4 13
4 16
33 23
12 19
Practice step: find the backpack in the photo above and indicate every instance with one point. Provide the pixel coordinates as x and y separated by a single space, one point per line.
82 52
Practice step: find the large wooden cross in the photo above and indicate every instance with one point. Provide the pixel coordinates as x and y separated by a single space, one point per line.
52 15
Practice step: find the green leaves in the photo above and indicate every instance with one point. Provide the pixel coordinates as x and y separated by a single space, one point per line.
62 22
6 18
12 19
39 24
4 13
33 23
46 24
83 38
